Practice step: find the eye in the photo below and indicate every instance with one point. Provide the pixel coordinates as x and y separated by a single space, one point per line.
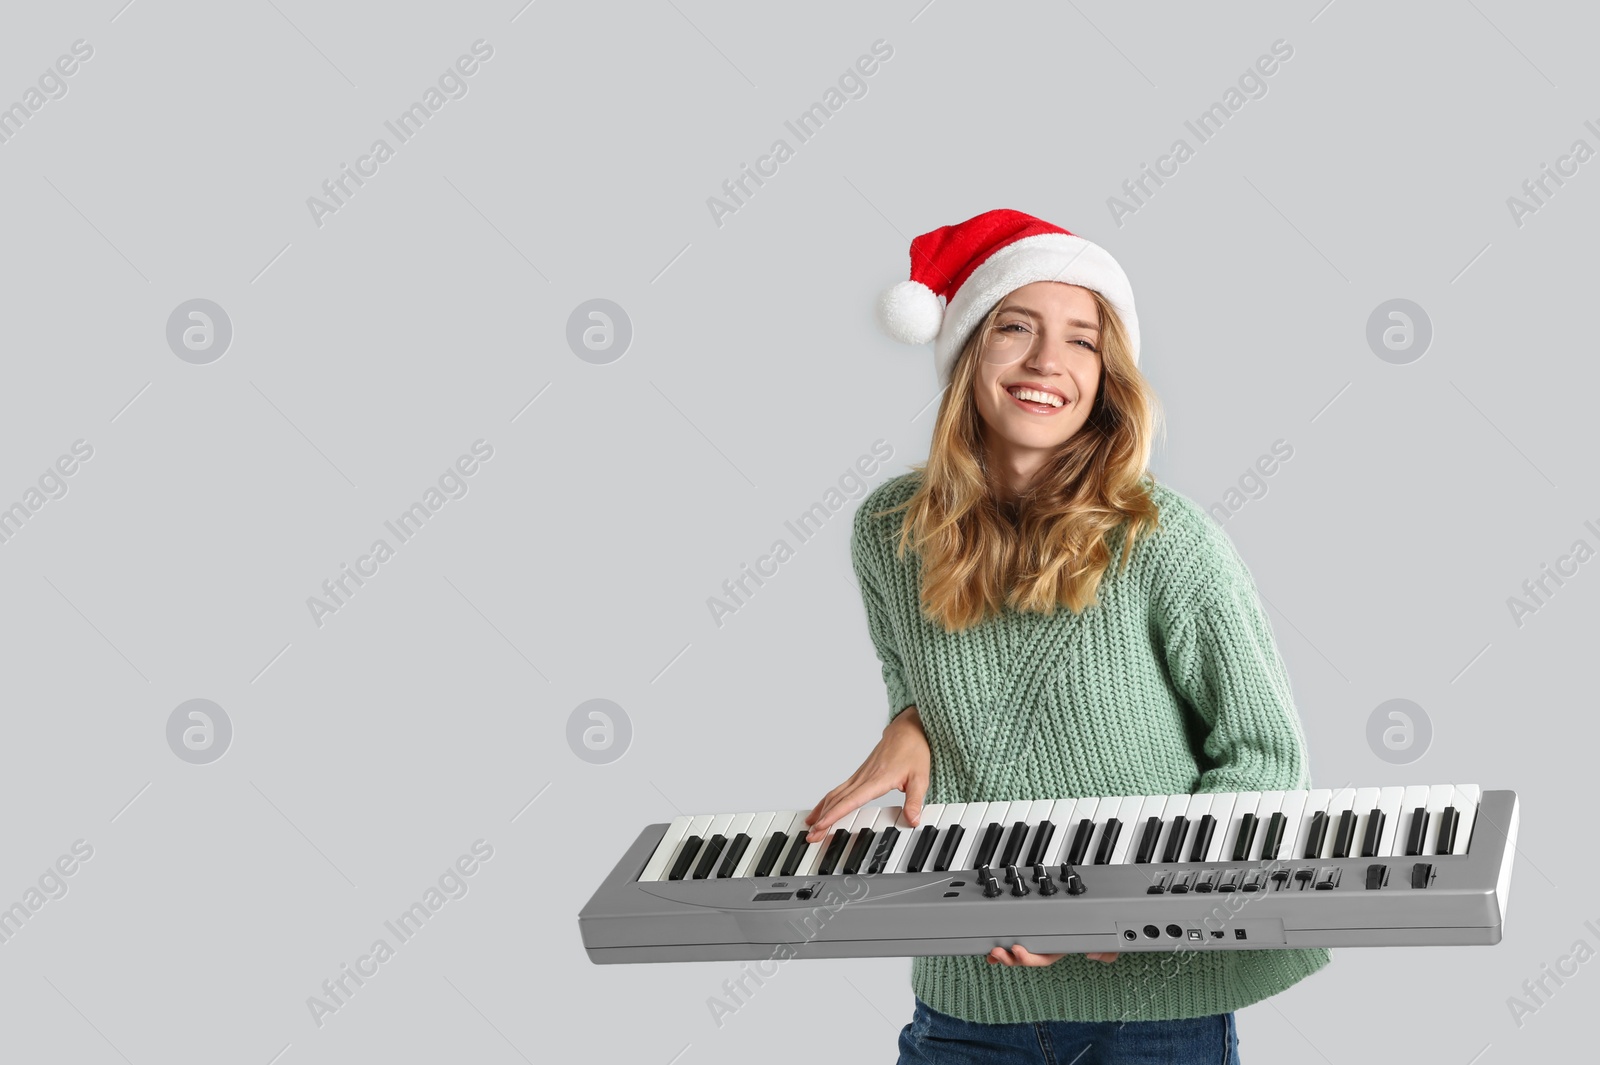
1086 344
1013 325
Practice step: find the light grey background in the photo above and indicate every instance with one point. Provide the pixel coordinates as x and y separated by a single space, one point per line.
371 351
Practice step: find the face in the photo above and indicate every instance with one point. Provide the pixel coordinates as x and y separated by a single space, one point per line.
1045 339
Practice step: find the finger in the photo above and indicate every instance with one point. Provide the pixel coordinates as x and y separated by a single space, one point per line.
846 804
1002 956
1026 957
916 789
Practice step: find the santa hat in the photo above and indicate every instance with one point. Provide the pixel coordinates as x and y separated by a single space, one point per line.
959 273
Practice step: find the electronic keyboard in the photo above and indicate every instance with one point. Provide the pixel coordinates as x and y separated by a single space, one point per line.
1347 867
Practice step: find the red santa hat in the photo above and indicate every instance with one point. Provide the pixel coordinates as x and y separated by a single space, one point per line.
959 273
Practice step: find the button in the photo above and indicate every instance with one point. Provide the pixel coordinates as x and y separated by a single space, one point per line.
1377 876
1421 874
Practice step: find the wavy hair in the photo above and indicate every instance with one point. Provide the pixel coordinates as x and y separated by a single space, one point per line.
977 559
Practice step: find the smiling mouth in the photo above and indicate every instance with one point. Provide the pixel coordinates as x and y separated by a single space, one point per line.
1036 402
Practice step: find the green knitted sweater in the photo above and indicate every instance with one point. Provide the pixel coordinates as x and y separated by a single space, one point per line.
1169 684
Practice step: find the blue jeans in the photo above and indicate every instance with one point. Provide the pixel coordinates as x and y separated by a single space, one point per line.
934 1038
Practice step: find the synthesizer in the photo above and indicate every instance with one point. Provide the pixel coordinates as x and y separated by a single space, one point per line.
1394 866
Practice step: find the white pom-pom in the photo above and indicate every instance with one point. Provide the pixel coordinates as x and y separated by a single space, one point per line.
910 312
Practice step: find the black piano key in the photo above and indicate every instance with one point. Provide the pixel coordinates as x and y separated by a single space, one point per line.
858 853
1147 842
880 856
835 851
1448 821
1345 838
1369 841
1080 842
1041 840
947 849
1247 836
770 855
1108 841
1417 838
1274 837
741 843
691 847
797 851
1174 851
1316 834
987 845
1013 848
920 849
708 857
1202 838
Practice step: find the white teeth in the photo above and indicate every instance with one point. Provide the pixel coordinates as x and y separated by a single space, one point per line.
1036 397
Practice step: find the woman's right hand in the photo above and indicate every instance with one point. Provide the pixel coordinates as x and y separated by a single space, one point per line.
901 761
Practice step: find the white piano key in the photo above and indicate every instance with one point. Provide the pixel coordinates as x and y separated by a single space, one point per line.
1221 812
1343 799
698 826
949 817
1439 796
1416 795
887 815
973 821
1061 813
1293 809
1465 800
1037 812
1150 806
1244 802
760 826
908 835
1317 800
1199 806
719 824
1270 803
1389 800
1126 807
786 821
996 813
849 823
1081 808
656 867
1176 806
813 851
1366 801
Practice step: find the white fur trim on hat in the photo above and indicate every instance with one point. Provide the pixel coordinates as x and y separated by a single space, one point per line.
1044 257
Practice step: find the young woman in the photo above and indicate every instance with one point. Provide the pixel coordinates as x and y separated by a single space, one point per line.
1052 622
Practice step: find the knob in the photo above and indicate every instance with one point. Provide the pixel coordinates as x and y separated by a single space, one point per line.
1047 887
1019 886
1071 880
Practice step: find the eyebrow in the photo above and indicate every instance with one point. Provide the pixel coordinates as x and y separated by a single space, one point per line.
1077 323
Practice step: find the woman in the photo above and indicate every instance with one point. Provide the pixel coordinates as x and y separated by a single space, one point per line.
1159 677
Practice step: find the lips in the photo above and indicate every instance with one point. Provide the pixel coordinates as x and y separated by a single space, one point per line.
1034 407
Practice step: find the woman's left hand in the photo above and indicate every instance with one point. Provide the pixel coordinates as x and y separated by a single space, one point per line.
1018 955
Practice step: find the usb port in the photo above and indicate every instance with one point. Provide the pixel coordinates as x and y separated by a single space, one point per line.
1238 933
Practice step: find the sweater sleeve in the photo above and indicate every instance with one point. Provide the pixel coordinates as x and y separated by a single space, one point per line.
1221 657
878 624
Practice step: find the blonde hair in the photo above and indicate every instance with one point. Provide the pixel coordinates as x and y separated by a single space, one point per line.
975 559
